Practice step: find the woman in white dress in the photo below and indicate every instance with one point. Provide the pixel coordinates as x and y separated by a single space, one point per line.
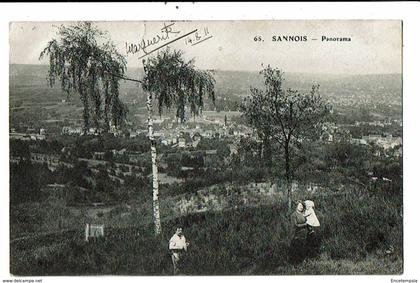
312 238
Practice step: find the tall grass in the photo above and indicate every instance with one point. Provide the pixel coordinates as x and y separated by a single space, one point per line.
356 228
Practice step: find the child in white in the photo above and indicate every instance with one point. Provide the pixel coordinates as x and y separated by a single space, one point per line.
310 216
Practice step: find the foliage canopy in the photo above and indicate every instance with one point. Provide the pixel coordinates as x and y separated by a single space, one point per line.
87 62
174 81
285 114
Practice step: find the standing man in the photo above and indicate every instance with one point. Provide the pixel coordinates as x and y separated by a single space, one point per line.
178 246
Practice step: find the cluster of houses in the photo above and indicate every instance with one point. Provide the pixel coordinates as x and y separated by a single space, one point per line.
132 156
189 135
70 130
53 161
380 123
333 132
77 130
386 142
30 134
169 132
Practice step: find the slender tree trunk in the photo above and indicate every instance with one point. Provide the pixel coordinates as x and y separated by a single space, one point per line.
266 155
156 211
288 179
86 116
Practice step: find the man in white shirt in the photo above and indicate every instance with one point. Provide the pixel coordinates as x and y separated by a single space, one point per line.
177 245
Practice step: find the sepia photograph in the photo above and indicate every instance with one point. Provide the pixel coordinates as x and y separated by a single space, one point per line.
197 147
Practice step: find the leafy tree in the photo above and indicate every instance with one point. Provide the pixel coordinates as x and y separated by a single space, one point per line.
85 61
172 81
285 116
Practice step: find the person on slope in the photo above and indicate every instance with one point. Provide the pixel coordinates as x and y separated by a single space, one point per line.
178 246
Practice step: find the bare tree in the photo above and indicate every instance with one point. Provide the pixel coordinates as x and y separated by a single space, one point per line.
285 117
173 82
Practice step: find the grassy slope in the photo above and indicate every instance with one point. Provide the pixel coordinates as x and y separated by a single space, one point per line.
243 241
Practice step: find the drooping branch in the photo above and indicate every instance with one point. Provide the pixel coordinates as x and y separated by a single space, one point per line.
90 68
173 81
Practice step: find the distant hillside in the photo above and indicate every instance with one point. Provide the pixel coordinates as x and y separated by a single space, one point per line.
36 75
233 82
239 82
27 75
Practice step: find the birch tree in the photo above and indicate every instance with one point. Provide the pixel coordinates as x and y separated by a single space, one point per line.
84 61
173 83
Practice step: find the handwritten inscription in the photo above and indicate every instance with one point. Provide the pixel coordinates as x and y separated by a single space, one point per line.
198 37
167 32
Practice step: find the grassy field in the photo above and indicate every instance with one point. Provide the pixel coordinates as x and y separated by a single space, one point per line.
361 234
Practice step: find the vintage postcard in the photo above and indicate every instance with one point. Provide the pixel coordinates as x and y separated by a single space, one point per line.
243 147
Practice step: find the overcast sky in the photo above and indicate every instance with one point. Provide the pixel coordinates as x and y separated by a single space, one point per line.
375 46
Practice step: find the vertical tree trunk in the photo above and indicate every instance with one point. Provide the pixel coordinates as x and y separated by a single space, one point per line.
288 179
86 116
266 154
156 211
